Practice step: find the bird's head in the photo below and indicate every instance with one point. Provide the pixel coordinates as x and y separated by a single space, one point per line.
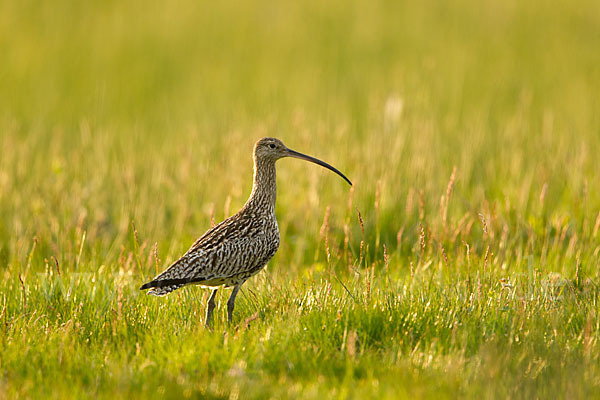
272 149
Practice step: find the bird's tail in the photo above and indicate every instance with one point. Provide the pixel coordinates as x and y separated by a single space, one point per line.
161 287
176 276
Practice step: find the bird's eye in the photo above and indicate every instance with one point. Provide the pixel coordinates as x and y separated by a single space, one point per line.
272 146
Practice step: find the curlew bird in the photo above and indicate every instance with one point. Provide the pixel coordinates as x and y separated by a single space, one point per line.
239 247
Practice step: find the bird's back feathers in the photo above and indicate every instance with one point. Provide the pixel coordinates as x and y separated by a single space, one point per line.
226 254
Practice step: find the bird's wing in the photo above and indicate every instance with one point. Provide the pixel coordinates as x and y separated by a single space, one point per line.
224 250
236 227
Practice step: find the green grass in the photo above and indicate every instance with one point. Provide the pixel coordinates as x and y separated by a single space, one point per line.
127 126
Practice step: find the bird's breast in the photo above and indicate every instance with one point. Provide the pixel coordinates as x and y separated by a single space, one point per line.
270 236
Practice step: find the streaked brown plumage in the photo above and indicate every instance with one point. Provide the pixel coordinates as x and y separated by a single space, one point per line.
240 246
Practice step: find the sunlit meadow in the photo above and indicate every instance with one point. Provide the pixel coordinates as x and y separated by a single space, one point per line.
462 263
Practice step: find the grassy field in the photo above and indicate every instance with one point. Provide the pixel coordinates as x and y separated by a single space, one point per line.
464 261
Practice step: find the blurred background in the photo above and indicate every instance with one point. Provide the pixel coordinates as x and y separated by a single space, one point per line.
147 111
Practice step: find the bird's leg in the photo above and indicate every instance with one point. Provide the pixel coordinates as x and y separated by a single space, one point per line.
210 306
231 303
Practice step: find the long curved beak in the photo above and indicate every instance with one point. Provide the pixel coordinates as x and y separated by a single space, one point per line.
295 154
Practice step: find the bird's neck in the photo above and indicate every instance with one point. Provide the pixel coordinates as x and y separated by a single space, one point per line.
264 187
